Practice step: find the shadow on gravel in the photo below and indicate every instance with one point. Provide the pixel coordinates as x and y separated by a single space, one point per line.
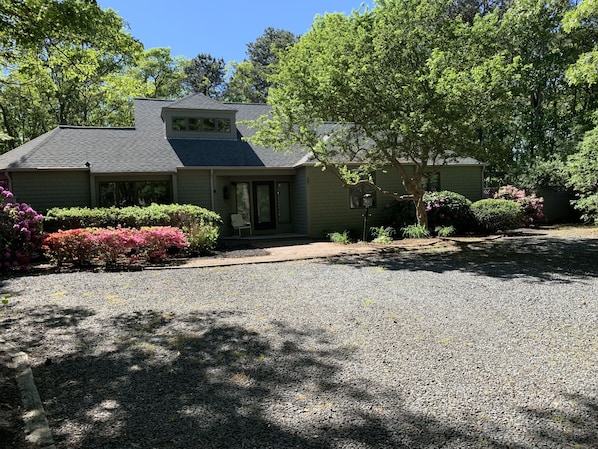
201 381
534 258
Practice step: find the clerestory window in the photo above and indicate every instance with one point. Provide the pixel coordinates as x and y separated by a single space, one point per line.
201 124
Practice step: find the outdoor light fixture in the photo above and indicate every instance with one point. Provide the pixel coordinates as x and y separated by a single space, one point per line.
368 201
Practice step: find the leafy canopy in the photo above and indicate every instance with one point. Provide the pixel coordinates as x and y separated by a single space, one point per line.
402 85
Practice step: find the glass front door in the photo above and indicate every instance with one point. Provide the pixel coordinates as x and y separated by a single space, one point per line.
264 207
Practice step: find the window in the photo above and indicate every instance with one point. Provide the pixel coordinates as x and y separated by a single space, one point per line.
134 193
242 197
223 125
356 195
201 124
194 124
431 182
179 124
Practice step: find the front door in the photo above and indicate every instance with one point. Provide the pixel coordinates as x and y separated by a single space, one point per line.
264 209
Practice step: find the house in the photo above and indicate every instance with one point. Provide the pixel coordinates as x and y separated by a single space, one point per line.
191 151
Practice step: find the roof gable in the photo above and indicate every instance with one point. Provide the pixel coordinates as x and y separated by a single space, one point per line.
200 101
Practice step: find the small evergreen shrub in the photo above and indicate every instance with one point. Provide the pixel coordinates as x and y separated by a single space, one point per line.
498 214
446 208
340 237
415 231
445 231
533 206
382 234
20 232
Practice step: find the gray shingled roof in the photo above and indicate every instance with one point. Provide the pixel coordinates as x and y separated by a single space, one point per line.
144 148
200 101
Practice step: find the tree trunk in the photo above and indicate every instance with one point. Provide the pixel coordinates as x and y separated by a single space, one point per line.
413 188
420 209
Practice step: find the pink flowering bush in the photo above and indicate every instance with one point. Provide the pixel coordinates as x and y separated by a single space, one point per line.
112 245
533 206
20 232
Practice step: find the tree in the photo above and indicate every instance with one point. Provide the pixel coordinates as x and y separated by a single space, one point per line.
583 170
54 75
551 115
583 165
406 84
205 74
249 82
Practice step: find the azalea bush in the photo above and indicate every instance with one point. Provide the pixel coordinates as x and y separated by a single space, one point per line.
110 245
446 208
533 206
20 232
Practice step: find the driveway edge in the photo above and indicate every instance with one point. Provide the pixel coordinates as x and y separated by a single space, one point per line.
36 425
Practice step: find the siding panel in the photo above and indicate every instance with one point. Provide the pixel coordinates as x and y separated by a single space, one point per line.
43 190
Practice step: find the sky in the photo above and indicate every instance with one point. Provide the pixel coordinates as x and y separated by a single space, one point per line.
220 28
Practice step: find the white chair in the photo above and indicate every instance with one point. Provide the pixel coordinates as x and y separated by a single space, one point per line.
239 223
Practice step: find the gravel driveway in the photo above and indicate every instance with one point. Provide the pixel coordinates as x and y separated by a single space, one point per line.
492 346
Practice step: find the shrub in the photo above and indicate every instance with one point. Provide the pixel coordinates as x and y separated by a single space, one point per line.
399 214
382 234
20 232
533 207
447 208
340 237
71 246
497 214
415 231
445 231
175 215
202 237
109 245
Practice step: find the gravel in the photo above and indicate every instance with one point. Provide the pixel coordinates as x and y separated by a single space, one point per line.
494 346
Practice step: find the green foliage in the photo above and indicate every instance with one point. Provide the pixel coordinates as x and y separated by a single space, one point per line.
447 208
340 237
382 234
202 237
544 173
205 74
445 231
533 207
177 215
249 82
399 214
498 214
583 171
415 231
398 80
56 63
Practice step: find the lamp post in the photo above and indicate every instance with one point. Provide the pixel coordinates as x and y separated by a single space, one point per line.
368 201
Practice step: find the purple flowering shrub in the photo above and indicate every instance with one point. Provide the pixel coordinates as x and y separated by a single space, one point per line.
20 232
533 206
447 208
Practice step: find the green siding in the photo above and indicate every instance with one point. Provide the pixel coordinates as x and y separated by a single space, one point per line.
466 180
43 190
329 206
193 187
299 202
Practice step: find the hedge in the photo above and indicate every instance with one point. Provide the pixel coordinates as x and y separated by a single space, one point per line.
175 215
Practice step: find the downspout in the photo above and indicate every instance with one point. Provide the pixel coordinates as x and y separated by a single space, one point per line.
212 191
